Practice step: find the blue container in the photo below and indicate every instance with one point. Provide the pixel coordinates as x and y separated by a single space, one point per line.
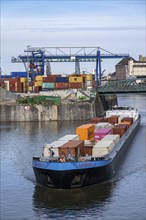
5 76
18 74
63 79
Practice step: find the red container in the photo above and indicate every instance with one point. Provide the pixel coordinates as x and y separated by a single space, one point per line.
113 119
61 85
75 85
37 89
97 120
31 83
120 129
100 133
74 146
88 150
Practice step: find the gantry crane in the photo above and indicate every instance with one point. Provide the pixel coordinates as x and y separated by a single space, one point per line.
35 58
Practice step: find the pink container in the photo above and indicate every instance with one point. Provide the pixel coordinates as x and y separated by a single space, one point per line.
100 133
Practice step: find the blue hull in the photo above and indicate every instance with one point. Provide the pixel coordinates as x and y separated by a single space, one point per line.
78 174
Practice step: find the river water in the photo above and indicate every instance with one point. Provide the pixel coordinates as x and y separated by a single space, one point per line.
122 198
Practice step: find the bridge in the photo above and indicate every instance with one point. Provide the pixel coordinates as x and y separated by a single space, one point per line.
136 85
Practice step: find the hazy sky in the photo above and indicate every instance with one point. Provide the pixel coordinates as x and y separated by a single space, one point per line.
115 25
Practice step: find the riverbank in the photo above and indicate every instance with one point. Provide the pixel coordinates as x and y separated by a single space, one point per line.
68 109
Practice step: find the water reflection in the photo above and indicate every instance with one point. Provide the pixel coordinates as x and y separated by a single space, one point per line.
74 198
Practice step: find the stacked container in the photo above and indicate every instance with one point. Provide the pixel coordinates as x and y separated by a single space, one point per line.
97 120
102 148
53 146
102 132
24 82
85 132
112 137
69 137
74 147
127 119
120 129
113 119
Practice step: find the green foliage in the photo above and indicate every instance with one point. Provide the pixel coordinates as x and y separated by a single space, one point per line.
39 100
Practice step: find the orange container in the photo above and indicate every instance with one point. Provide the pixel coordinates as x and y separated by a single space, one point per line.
85 132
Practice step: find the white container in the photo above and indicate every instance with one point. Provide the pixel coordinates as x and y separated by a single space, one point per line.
97 152
54 146
109 145
112 137
69 137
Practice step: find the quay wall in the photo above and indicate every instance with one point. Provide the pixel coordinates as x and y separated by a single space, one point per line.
66 111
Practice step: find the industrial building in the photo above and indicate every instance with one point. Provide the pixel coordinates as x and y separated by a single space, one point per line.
128 67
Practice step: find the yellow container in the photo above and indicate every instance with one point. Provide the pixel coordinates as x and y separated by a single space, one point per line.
30 88
89 77
23 79
35 84
39 78
39 83
75 79
85 132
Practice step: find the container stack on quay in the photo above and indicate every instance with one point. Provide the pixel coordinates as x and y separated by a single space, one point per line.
18 82
92 139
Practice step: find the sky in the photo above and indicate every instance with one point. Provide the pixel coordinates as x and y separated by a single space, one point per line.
118 26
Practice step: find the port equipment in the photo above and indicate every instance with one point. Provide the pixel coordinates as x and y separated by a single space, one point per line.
35 58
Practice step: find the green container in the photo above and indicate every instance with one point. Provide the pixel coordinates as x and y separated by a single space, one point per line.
48 85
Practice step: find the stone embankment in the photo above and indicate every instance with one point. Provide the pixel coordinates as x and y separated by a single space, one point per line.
10 111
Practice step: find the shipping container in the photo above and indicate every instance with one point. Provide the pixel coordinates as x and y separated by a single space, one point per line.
39 83
48 85
73 147
102 132
19 74
102 125
85 132
75 85
61 85
75 79
54 146
7 85
120 129
128 123
104 146
62 79
23 79
5 76
97 120
39 78
88 150
112 137
89 77
69 137
128 119
113 119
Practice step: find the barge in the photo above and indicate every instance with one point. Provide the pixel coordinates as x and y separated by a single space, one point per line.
91 155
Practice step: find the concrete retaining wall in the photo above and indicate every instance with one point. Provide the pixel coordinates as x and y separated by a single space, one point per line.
68 111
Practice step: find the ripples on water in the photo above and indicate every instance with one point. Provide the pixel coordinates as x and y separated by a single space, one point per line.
122 198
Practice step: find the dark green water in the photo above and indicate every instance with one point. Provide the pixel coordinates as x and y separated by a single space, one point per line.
122 198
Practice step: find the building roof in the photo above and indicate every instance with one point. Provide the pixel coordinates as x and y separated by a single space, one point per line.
124 61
